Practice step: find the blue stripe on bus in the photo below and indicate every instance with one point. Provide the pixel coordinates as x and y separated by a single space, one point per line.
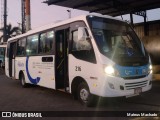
132 71
34 81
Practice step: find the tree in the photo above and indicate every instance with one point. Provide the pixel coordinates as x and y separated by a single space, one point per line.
10 31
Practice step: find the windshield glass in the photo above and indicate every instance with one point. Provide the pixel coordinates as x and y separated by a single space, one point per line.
115 39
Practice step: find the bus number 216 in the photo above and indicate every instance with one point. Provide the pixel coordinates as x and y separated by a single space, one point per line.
78 68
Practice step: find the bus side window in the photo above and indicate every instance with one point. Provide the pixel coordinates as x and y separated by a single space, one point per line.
49 41
21 47
32 45
81 49
46 42
83 44
42 43
75 39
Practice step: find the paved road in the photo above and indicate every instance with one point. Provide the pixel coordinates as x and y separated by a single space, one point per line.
15 98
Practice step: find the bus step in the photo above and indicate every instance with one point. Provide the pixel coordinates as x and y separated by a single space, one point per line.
62 90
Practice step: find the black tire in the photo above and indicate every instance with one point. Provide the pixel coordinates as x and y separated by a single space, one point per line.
85 97
22 80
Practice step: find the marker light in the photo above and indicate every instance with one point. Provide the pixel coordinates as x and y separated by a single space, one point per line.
109 70
150 69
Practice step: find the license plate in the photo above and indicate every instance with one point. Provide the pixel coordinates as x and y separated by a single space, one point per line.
137 90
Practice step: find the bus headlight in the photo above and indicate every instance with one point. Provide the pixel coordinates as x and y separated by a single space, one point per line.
110 70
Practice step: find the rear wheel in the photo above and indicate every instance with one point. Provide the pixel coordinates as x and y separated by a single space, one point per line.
84 95
22 79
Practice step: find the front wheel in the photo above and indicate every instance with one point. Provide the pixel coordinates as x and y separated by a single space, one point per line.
22 79
84 95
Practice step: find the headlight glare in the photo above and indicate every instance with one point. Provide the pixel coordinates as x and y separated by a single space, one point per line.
109 70
150 67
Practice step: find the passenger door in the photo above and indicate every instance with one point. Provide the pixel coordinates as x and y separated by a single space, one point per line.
61 62
12 55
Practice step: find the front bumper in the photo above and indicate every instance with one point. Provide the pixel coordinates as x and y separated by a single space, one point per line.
116 87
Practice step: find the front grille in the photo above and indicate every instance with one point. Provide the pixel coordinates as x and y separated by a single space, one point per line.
134 77
134 85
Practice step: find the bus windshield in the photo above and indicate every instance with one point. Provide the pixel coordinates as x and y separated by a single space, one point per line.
116 40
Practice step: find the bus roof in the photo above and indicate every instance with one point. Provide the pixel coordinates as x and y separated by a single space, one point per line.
56 24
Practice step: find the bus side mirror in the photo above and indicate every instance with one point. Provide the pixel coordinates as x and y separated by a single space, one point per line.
82 35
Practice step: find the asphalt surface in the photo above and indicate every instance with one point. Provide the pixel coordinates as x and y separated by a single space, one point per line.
34 98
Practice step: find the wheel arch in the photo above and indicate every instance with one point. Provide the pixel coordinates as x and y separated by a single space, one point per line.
74 85
20 74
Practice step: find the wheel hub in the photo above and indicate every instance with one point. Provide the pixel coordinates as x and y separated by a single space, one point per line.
84 95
